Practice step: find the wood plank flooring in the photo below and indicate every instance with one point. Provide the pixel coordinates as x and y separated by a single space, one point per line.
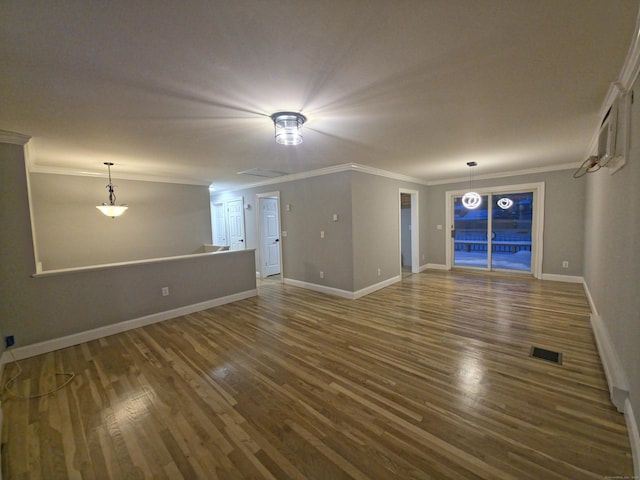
428 378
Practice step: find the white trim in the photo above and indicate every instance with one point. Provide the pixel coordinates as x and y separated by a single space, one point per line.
141 177
90 268
616 377
592 303
345 167
436 266
339 292
631 65
375 287
537 225
28 155
13 138
634 436
356 167
513 173
562 278
47 346
319 288
415 228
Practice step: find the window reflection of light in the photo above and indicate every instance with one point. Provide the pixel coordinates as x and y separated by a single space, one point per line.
469 375
505 203
131 409
221 372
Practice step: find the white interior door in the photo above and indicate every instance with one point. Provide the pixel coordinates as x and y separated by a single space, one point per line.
235 216
269 236
219 222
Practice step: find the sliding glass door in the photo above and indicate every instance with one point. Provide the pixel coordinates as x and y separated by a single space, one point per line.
497 235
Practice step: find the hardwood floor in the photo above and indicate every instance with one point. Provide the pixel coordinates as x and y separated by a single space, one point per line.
428 378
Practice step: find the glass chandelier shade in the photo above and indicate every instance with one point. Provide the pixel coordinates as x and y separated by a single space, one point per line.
288 126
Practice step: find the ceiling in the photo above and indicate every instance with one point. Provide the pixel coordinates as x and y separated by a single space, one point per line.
183 90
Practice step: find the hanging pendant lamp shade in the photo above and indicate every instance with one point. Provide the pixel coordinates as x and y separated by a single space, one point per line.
288 126
111 209
471 200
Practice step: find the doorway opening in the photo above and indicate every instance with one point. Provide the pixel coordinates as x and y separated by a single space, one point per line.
227 223
409 232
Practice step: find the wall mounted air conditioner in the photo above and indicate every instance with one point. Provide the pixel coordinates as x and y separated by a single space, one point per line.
613 140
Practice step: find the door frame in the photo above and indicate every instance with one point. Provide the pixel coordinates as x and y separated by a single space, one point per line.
276 195
537 224
415 229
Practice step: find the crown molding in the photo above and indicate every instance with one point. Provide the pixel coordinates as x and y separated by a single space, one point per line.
35 168
356 167
631 65
513 173
345 167
13 138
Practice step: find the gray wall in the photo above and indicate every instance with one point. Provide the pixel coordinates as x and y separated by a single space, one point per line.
376 227
46 308
313 202
163 220
365 237
563 219
612 261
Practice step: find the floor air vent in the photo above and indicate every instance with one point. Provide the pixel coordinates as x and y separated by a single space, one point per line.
548 355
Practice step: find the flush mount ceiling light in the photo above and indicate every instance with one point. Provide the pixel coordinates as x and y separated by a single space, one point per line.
471 199
111 209
288 125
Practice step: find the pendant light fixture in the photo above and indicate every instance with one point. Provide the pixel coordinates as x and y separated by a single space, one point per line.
288 125
471 200
111 209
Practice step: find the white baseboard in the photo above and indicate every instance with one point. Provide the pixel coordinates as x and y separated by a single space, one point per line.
634 436
372 288
592 303
341 293
616 377
562 278
47 346
435 266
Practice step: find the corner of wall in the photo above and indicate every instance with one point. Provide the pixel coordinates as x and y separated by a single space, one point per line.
634 437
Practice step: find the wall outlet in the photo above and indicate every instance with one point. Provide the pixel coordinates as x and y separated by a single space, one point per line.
9 341
321 233
565 264
321 274
379 272
165 291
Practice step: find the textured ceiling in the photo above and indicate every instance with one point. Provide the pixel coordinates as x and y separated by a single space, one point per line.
184 90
